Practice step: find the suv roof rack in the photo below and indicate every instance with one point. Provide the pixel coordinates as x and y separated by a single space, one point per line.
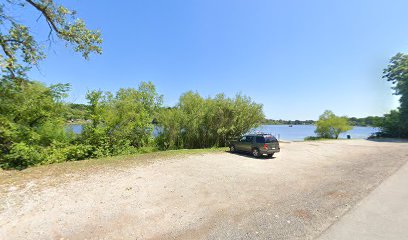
261 133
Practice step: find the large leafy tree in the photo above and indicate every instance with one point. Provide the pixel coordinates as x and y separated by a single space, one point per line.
330 125
397 73
121 122
31 119
31 114
391 125
19 48
197 122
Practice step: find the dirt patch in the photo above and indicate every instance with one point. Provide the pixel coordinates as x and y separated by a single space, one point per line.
295 195
303 214
337 194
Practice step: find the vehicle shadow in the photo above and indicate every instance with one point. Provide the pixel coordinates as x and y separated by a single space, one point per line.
248 155
393 140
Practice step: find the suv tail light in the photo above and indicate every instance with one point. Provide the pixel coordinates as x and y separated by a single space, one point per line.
266 146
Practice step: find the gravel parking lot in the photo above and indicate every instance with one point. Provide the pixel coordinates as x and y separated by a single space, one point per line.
295 195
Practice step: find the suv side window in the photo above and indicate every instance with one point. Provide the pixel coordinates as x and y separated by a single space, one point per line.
249 139
260 140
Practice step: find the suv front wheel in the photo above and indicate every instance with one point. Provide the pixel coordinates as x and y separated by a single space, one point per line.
255 152
232 148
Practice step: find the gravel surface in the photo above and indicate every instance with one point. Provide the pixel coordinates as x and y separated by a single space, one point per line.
296 195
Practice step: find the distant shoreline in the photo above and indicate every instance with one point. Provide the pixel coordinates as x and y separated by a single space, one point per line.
78 122
311 125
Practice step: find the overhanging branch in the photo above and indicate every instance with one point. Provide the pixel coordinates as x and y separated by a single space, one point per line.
47 16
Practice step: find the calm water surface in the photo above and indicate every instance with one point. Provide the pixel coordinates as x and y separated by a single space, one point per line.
76 128
284 132
299 132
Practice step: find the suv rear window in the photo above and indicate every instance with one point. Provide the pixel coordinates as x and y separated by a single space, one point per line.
260 140
266 139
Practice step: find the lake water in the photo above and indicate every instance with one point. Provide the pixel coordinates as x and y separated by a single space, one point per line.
284 132
299 132
76 128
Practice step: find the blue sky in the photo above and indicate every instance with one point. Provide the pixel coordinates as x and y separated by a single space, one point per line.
297 58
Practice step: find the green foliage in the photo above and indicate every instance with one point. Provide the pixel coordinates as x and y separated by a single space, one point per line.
391 125
21 155
395 124
172 121
197 122
33 123
121 123
31 119
22 51
76 112
312 138
330 125
367 121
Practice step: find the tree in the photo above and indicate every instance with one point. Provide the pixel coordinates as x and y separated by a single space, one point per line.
390 125
397 73
20 49
32 124
197 122
121 122
76 111
330 126
31 119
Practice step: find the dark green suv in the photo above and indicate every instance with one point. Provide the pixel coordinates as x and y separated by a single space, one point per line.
257 144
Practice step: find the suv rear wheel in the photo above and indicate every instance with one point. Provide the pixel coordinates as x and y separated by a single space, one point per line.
255 152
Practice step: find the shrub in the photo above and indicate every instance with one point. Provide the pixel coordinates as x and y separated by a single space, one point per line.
78 152
391 125
31 120
197 122
121 123
312 138
21 156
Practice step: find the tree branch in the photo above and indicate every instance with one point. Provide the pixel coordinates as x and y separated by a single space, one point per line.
4 47
48 18
9 55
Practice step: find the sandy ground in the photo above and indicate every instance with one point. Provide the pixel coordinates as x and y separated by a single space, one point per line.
383 214
296 195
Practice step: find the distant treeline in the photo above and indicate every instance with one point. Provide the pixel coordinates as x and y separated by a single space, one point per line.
370 121
76 112
367 121
287 122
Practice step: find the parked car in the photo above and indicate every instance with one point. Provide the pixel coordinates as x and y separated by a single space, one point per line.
256 144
